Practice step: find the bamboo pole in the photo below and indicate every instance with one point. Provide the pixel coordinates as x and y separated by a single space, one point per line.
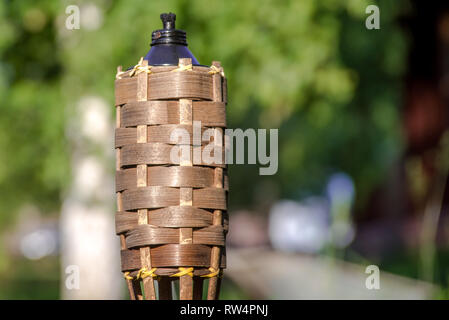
186 194
214 282
145 256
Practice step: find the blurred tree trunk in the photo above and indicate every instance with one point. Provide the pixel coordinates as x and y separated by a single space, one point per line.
89 243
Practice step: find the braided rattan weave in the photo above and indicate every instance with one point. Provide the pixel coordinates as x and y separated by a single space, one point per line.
171 217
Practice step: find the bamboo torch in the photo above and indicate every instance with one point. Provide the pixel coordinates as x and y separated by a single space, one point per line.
171 198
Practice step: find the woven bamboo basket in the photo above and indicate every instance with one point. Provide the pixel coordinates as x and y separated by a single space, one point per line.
171 217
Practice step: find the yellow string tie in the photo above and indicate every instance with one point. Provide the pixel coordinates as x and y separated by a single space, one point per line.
138 68
215 69
119 74
183 68
183 272
127 276
142 274
212 273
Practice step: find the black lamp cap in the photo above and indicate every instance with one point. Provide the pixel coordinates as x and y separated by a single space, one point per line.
168 35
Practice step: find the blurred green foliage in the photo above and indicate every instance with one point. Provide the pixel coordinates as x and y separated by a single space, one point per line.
31 279
309 68
33 161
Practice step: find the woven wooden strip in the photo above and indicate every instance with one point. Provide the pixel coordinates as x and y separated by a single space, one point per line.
160 69
169 217
155 153
212 235
125 136
125 179
171 255
161 134
187 217
210 198
211 114
179 85
159 197
144 235
150 113
150 197
125 90
167 85
182 217
175 176
146 153
195 177
125 221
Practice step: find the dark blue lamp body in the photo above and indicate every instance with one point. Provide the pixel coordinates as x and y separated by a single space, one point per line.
168 44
